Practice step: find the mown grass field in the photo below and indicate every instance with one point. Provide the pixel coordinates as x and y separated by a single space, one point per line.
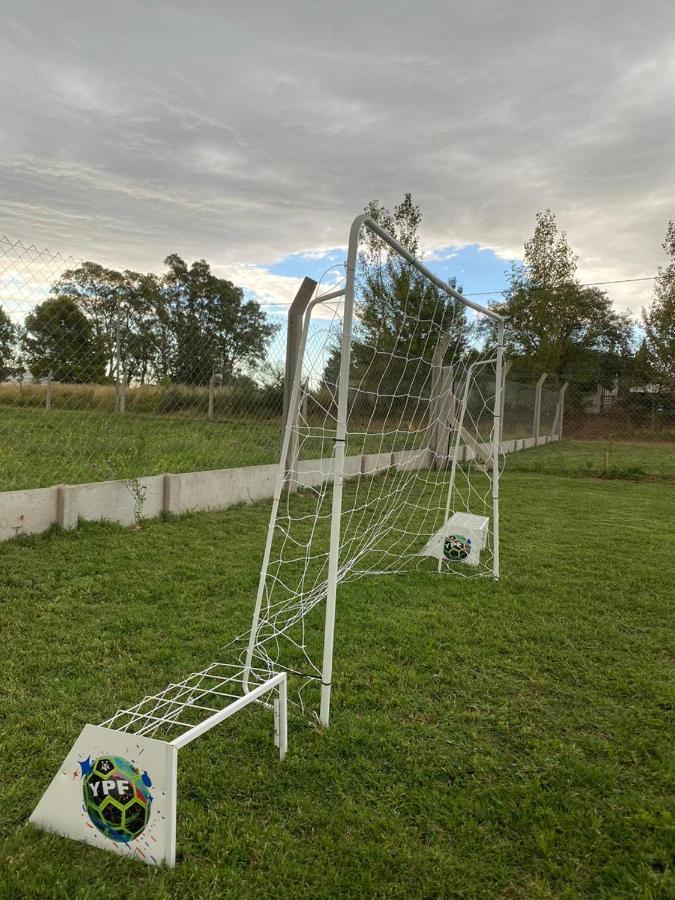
40 448
628 460
488 740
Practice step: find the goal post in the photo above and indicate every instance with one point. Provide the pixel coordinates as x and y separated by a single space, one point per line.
389 464
459 407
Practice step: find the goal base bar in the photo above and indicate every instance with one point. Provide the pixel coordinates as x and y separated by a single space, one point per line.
117 790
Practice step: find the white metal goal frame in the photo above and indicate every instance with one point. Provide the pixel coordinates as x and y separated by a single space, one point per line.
347 296
146 737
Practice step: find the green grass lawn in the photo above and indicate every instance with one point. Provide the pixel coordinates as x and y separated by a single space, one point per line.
614 459
488 740
39 448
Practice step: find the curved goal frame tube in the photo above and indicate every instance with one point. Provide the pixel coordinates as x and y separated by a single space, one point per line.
293 408
494 451
340 440
341 430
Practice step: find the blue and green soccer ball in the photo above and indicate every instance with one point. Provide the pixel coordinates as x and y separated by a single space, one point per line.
117 798
456 548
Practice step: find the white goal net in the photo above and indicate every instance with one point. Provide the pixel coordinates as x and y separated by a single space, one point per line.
391 454
390 463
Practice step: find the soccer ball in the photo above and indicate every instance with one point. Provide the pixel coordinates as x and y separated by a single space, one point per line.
116 798
456 548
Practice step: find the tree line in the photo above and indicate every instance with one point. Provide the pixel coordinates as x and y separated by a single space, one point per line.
188 324
183 326
553 322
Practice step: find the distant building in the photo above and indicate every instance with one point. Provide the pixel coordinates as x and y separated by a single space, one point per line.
603 398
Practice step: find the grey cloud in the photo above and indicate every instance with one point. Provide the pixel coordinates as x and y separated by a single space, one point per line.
246 131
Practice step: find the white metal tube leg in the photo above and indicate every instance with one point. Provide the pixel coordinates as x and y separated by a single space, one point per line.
338 473
283 717
496 432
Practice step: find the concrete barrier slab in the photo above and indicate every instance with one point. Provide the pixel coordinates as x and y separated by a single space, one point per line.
112 501
33 511
27 512
411 460
221 488
375 462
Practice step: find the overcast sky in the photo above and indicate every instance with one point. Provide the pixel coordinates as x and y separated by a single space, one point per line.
251 133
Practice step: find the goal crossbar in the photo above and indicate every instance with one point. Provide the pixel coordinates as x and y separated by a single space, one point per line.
146 737
486 457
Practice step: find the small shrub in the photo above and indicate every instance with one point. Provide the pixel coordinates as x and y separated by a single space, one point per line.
628 473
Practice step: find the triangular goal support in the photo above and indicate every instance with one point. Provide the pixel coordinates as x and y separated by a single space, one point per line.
393 429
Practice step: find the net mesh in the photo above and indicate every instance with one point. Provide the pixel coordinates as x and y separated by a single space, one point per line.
421 395
420 421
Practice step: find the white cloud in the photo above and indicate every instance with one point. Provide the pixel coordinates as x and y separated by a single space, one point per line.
322 253
276 292
247 132
268 289
440 255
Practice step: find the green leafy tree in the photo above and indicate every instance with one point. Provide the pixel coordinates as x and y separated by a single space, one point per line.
399 307
97 291
207 324
140 327
123 304
8 338
659 319
399 313
60 339
552 321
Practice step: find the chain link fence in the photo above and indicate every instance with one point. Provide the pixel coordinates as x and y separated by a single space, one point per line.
107 375
629 406
114 375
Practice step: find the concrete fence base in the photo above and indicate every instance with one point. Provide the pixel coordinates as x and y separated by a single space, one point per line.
125 502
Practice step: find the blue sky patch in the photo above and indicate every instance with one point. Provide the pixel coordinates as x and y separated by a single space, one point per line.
476 269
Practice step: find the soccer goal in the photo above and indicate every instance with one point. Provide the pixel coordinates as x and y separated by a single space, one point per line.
390 464
391 454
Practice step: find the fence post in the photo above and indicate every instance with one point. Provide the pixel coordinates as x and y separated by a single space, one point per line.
123 392
48 394
296 313
435 399
505 371
212 389
447 411
118 358
559 410
537 408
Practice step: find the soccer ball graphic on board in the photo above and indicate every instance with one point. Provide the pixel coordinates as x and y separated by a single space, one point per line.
116 798
456 547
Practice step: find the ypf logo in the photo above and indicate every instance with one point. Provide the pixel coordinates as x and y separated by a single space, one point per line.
116 797
456 548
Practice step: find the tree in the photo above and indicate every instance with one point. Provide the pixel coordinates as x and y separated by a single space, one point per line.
8 336
399 306
659 319
398 309
207 324
140 328
97 291
551 320
60 339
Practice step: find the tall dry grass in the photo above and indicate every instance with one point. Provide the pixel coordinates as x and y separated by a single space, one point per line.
264 401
